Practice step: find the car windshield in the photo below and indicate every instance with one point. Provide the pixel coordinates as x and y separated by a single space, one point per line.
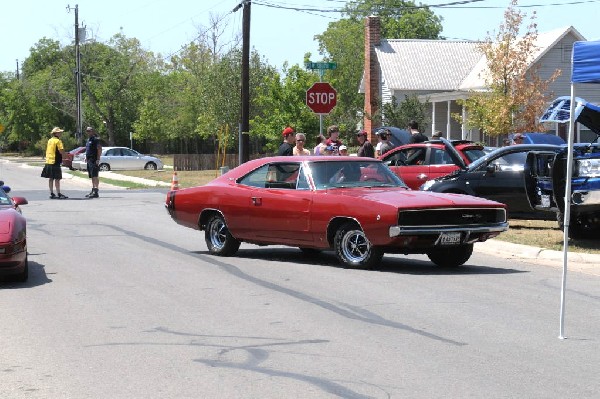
506 161
339 174
473 154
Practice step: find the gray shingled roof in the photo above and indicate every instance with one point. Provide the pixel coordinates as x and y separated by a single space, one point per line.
436 65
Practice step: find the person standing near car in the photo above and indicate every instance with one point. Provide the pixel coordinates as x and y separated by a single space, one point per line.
93 149
384 145
289 138
333 133
299 148
366 148
415 134
52 171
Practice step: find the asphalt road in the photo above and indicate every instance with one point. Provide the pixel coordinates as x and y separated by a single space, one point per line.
124 303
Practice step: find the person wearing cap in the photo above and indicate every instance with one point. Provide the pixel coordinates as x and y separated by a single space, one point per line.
366 148
93 150
343 150
299 148
518 139
436 135
287 147
383 145
333 132
55 151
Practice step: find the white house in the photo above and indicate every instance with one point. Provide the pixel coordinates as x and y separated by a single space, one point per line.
443 71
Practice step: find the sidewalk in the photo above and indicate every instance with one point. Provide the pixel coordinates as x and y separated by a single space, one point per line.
576 261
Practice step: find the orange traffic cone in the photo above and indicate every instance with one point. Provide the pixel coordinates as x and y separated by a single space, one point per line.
175 182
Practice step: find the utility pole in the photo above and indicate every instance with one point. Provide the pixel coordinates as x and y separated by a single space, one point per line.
79 121
17 69
244 155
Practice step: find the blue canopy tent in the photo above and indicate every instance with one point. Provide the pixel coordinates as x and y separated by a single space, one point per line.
585 69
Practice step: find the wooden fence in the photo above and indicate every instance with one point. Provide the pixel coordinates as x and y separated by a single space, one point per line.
207 161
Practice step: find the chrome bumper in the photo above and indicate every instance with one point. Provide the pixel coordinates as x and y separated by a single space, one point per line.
396 231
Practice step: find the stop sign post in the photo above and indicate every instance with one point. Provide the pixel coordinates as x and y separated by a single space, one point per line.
321 98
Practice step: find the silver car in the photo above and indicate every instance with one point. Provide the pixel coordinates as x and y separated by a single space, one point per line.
120 158
123 158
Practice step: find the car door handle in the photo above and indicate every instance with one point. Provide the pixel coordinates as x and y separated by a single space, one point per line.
256 201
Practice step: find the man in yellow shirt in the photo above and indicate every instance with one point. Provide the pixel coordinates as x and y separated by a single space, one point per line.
55 151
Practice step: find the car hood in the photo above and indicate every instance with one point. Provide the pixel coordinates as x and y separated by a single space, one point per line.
412 198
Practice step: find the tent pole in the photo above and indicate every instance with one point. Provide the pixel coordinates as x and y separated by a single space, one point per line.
567 215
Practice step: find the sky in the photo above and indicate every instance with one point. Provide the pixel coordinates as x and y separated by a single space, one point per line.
280 30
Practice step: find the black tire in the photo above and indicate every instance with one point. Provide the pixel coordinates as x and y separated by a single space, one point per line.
354 249
150 166
24 275
218 238
451 256
104 167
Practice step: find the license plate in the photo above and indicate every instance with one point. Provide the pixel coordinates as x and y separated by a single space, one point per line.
452 238
545 201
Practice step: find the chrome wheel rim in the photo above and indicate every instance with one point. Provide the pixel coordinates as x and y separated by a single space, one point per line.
218 234
355 246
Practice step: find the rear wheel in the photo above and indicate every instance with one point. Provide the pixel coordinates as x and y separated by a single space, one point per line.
104 167
354 249
451 256
24 275
218 238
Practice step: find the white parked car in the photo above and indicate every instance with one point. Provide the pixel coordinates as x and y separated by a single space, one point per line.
120 158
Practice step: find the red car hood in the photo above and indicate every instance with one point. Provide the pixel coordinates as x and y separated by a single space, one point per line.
411 198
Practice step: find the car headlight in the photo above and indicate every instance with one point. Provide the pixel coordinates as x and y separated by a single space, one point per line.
427 185
587 168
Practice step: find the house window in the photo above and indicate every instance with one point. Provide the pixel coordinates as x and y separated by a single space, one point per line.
566 53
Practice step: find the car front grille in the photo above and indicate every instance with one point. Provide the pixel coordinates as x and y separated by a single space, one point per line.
451 216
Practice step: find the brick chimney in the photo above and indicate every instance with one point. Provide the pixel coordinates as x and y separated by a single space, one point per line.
371 73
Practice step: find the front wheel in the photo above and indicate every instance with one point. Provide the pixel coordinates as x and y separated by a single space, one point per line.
354 249
451 256
150 166
104 167
218 238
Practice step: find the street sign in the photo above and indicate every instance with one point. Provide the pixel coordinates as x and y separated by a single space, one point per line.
320 65
321 98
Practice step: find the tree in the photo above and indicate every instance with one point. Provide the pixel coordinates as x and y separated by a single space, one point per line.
516 94
400 114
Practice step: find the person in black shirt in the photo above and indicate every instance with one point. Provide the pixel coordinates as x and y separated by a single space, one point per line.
289 138
93 149
366 148
416 135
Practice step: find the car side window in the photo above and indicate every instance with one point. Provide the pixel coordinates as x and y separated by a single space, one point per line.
440 157
111 153
416 156
396 159
278 175
127 152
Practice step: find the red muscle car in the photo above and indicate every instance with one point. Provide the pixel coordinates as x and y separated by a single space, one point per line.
13 238
355 206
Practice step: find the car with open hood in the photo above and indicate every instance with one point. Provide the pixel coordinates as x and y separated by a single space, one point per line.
352 205
498 176
546 172
416 163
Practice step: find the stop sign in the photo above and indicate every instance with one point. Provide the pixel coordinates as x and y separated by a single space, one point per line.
321 98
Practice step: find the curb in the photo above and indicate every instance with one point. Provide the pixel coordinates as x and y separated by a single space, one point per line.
579 261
